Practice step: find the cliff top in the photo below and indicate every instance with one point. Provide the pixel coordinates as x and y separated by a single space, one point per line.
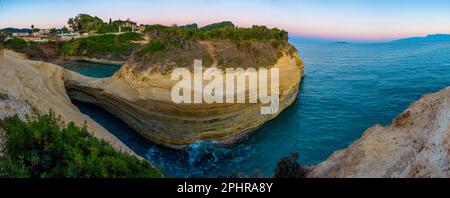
162 48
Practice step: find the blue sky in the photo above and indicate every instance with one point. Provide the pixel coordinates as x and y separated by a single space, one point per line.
352 20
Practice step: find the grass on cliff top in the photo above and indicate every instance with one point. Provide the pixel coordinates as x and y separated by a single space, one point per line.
224 43
43 147
220 31
22 46
106 45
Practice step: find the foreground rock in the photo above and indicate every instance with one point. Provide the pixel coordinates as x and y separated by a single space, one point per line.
25 84
139 94
416 144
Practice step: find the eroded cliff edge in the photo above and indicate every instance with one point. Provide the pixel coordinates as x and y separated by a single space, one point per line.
27 84
416 144
139 94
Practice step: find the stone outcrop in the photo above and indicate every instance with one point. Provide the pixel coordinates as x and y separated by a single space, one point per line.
142 100
416 144
25 84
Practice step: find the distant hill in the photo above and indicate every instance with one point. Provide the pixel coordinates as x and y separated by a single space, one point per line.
12 30
429 38
342 42
217 25
300 39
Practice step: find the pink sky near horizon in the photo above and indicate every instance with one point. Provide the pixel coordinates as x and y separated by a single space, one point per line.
352 20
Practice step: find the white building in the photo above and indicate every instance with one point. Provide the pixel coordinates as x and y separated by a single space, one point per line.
44 31
68 36
20 34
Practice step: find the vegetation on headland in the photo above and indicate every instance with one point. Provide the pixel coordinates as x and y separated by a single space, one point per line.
44 147
33 51
85 23
178 46
2 38
165 47
112 46
221 31
15 43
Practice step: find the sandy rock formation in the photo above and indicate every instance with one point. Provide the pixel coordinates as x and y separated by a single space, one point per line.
25 84
416 144
142 100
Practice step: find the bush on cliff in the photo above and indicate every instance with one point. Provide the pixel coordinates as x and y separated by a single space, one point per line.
220 31
217 25
15 44
44 147
32 50
174 46
107 45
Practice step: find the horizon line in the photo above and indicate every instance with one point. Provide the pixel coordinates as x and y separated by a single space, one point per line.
304 36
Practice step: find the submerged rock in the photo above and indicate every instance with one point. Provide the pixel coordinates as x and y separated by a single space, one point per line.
288 167
416 144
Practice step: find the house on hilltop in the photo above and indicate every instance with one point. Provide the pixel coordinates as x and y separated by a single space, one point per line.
128 25
20 34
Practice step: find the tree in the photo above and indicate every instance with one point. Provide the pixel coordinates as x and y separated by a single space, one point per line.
218 25
2 40
53 32
54 149
64 30
34 29
72 24
84 23
2 37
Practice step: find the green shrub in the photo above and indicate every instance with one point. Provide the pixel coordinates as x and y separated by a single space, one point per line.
3 96
218 25
43 147
115 46
129 36
34 51
154 46
15 44
219 31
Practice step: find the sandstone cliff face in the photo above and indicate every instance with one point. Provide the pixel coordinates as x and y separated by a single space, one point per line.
142 99
416 144
25 84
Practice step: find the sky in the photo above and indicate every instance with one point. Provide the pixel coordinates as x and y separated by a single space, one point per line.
340 20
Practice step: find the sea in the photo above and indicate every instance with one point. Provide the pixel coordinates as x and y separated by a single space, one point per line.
347 88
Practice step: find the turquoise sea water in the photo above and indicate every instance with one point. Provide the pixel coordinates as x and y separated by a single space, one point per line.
347 89
90 69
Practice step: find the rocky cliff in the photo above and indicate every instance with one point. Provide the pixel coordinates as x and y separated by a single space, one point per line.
139 94
26 84
416 144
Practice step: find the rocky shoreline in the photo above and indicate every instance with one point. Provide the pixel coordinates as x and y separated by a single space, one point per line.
143 102
92 60
27 83
416 144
